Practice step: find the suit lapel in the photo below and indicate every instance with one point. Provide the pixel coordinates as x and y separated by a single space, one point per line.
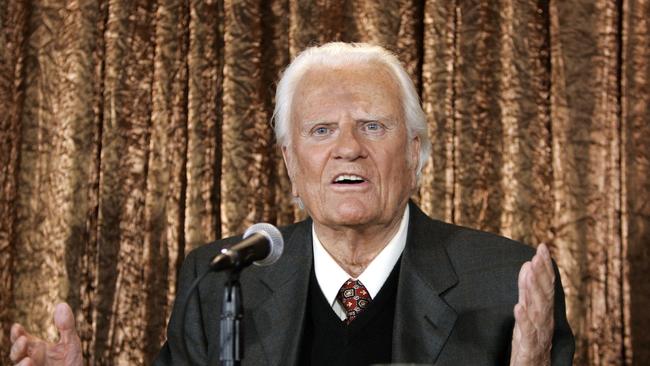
279 313
423 320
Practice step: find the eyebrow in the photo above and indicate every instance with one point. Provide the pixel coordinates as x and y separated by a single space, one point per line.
366 118
378 118
311 123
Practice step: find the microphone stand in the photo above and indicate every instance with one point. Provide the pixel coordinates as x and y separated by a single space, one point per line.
232 314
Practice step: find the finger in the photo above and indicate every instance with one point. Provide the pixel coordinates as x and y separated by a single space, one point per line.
525 328
543 250
18 349
26 362
516 330
64 322
540 308
529 349
543 278
521 283
16 331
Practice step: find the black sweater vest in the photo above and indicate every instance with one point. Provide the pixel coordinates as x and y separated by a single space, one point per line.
367 340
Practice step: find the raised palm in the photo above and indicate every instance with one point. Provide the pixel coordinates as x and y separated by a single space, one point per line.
28 349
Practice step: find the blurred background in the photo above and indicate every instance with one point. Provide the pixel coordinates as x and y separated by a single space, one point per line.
132 132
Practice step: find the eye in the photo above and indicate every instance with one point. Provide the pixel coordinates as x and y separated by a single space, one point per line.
320 131
373 127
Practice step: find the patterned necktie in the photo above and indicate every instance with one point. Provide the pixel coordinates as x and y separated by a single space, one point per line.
354 297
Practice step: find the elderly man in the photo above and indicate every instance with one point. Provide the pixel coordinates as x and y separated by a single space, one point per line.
368 278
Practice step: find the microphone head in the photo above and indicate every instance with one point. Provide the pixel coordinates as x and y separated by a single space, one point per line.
276 243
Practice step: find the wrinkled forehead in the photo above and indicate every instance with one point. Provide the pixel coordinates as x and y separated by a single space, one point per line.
371 85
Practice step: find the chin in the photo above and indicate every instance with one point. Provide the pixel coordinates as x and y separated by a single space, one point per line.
352 214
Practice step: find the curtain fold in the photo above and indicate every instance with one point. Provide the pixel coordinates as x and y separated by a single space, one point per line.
132 132
635 182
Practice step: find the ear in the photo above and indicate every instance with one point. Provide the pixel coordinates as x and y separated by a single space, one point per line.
287 156
415 158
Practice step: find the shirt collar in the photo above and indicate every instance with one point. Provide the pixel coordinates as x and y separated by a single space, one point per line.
331 276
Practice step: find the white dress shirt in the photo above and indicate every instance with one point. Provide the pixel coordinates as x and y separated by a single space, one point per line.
331 276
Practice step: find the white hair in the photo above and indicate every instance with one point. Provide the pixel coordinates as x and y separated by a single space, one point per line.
337 54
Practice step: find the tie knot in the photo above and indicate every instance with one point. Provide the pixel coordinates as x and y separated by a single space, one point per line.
354 297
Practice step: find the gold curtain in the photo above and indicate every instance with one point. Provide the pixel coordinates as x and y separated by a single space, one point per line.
132 131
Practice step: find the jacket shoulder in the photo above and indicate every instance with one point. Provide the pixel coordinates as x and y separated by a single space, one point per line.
468 248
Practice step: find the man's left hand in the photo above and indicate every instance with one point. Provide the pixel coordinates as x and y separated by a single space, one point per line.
533 332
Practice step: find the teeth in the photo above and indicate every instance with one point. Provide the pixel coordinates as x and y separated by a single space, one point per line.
348 177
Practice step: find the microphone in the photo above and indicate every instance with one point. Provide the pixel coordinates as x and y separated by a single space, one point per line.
262 245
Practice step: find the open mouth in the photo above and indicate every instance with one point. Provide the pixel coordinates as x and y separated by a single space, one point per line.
349 179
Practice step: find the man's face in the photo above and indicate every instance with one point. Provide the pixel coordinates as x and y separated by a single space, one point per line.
350 160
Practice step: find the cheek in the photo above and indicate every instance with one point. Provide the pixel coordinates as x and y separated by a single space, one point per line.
294 171
303 173
302 168
310 162
402 170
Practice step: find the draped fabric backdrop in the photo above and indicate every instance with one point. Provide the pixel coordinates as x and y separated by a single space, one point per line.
133 131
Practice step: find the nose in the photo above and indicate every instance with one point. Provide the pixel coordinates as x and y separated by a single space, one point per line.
349 145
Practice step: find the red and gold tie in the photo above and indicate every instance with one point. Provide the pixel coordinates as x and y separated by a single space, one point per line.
354 297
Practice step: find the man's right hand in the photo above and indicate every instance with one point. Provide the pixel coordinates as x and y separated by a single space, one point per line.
27 349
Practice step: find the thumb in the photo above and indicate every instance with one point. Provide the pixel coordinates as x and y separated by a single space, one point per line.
64 322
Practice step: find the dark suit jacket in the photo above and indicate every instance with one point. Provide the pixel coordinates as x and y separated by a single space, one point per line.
456 293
